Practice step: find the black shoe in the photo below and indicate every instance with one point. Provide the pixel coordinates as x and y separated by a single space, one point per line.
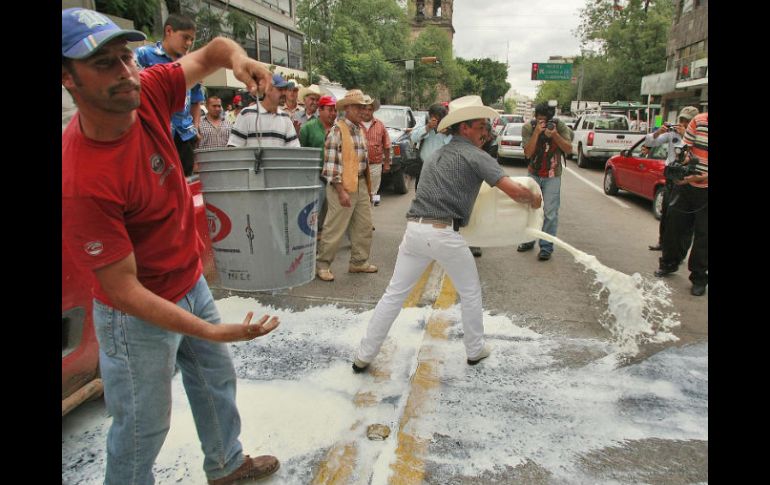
544 256
661 272
657 247
525 246
476 251
361 367
697 290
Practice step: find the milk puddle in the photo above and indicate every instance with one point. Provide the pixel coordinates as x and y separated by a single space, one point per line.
637 309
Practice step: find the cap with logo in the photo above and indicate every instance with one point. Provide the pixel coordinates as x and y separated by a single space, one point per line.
84 31
327 101
279 81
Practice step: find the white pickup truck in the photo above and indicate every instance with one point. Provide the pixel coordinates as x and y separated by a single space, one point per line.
601 136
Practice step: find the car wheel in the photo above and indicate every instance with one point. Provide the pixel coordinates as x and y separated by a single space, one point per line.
657 203
610 187
582 160
399 182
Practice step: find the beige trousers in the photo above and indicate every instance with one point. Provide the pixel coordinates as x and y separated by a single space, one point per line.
357 217
375 170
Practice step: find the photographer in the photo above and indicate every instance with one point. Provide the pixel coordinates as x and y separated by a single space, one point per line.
546 141
688 210
673 135
428 138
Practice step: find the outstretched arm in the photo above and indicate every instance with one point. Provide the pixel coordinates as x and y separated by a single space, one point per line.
519 193
223 52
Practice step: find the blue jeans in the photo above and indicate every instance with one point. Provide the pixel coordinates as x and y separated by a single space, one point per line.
137 361
551 188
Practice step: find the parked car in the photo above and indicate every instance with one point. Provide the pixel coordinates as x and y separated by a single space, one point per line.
399 120
503 120
509 142
421 117
600 136
638 173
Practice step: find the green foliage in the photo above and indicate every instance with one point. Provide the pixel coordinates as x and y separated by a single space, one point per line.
433 42
630 44
487 78
142 12
208 25
241 26
509 106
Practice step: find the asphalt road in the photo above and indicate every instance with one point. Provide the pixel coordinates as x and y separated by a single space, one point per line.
547 407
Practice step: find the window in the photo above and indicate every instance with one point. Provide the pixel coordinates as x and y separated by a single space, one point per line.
295 52
282 5
250 44
279 46
263 36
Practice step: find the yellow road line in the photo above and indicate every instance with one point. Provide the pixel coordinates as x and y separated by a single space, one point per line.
409 467
337 467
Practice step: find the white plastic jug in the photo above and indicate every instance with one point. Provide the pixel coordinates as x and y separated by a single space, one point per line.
497 220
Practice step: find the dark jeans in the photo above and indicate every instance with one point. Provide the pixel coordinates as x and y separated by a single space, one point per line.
186 153
686 239
687 215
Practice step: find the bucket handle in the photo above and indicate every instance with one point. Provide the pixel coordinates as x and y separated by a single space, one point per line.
257 160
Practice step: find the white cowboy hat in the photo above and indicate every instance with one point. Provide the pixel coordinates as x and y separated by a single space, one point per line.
312 89
354 96
464 109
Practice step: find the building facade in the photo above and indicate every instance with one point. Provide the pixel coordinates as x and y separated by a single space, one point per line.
422 13
685 81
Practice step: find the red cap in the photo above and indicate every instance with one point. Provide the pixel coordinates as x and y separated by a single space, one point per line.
237 99
327 101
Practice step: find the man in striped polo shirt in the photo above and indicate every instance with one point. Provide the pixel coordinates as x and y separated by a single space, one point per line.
689 211
264 124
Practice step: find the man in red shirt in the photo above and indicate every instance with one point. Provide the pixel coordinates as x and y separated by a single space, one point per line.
128 218
378 146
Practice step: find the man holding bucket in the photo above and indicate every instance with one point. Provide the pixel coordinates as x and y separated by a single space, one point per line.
450 182
128 218
346 171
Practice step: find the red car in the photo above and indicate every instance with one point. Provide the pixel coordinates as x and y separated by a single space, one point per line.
79 348
640 172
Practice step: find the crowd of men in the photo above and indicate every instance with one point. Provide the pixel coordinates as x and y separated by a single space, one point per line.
129 218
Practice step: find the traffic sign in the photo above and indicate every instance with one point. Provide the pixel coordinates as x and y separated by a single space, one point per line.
551 71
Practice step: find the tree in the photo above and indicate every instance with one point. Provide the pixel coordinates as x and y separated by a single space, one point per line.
630 43
510 105
428 78
142 12
487 78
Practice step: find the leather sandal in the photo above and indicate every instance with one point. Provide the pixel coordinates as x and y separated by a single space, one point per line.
325 275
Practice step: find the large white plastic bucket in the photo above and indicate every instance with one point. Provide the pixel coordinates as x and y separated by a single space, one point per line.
496 220
262 209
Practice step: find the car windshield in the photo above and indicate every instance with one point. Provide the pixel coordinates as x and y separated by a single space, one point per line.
610 122
392 117
513 129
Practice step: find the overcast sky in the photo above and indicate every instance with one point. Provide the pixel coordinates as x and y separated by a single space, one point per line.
533 30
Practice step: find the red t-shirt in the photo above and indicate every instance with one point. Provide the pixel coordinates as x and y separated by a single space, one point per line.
130 195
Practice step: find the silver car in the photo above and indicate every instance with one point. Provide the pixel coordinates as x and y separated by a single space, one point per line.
509 142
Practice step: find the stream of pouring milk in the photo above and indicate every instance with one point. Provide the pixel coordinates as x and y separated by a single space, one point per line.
636 307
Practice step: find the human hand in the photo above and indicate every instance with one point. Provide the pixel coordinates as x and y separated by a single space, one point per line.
537 200
385 167
254 74
234 332
344 198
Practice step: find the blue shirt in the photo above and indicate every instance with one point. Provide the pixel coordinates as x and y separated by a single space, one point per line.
431 141
181 121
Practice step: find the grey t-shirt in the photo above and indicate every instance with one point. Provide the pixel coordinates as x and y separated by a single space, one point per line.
451 179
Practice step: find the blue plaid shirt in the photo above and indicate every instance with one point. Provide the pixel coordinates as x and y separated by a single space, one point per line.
181 121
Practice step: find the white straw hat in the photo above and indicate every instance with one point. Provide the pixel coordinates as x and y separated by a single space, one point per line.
464 109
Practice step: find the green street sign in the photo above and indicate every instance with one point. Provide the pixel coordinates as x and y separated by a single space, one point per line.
551 71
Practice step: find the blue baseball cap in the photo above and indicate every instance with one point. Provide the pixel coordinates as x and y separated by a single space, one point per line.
84 31
279 81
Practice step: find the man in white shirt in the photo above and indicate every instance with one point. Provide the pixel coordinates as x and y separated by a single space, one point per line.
264 124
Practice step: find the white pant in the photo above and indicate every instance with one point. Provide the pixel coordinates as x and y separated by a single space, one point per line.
375 170
422 244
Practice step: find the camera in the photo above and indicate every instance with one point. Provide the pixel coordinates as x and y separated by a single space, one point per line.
678 170
550 123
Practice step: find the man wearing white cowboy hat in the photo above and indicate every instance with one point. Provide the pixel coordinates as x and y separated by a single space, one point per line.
450 181
346 171
309 96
